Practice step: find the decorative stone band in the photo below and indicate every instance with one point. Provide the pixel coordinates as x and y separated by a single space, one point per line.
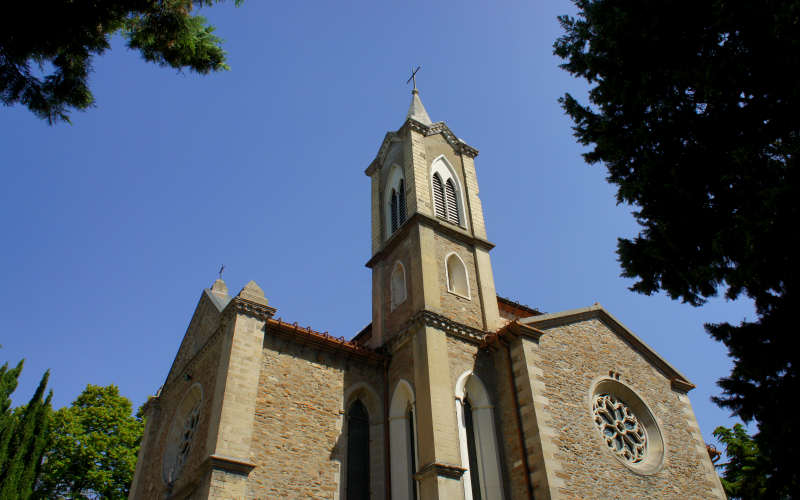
455 232
322 341
250 308
190 364
426 130
680 385
441 128
430 318
388 139
445 470
515 329
217 462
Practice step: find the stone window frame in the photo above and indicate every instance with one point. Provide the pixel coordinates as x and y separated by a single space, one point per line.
395 301
393 181
450 289
654 459
402 478
470 386
440 165
372 401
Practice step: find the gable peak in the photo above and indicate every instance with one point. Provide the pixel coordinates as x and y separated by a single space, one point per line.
253 293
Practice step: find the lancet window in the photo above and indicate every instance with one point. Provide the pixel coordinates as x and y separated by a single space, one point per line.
447 198
357 452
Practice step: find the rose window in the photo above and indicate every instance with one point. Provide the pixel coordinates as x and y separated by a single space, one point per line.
180 439
622 431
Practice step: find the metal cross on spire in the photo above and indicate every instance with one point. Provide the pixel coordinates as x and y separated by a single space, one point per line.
222 268
413 78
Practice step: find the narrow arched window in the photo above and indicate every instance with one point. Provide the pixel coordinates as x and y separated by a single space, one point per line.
398 285
412 452
477 440
457 276
438 197
447 194
472 450
450 201
401 203
394 210
357 452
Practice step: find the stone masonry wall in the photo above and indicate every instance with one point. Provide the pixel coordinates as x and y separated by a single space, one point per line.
203 370
461 309
298 441
508 427
571 357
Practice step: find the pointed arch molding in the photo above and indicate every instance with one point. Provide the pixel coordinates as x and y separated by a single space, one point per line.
451 286
398 288
393 181
440 165
368 396
402 444
469 386
457 144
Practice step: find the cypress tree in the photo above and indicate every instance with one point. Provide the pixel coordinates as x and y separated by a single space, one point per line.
23 435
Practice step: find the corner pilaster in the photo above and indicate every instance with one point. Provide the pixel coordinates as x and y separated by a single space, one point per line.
439 474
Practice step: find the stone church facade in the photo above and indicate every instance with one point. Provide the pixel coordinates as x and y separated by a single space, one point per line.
452 392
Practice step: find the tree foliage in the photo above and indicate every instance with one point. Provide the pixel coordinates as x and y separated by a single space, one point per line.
743 473
23 435
61 38
93 447
693 110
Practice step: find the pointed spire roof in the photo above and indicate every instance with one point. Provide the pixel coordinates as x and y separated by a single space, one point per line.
416 110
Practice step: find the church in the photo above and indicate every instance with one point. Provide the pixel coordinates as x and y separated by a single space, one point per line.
451 392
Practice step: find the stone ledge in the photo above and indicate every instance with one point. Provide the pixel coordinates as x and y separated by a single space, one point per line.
228 464
445 470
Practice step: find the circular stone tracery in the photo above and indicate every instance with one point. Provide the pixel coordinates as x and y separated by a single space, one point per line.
181 435
621 429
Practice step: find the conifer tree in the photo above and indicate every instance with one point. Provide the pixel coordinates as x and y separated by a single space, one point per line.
693 112
23 435
63 37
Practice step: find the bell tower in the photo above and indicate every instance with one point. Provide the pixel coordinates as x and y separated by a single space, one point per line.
429 246
431 283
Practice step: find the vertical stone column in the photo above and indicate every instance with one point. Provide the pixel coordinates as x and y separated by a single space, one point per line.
439 473
713 484
429 299
231 432
416 174
539 436
487 292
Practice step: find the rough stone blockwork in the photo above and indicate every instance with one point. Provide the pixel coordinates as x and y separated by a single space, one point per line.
571 358
298 438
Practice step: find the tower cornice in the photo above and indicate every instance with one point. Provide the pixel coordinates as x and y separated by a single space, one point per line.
457 144
426 220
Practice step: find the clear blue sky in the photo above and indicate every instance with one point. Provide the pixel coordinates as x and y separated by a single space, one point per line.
113 225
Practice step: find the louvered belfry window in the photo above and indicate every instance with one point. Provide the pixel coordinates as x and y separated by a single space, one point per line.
394 210
401 203
438 197
450 199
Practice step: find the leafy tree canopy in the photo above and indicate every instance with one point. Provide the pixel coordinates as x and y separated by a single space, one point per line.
61 37
742 475
693 110
93 447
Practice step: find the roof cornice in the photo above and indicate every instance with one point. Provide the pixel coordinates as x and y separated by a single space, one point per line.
426 220
678 381
427 130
